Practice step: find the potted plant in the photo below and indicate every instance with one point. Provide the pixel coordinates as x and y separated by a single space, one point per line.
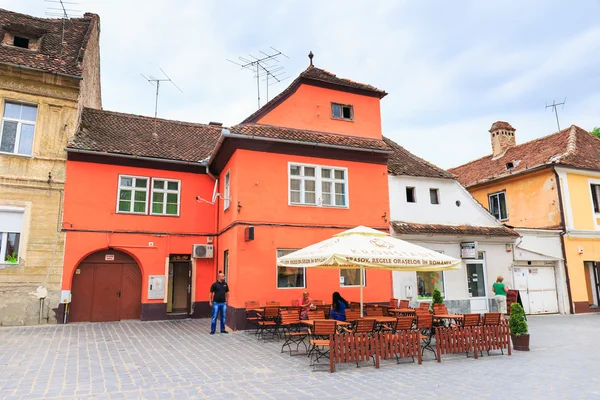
12 259
518 328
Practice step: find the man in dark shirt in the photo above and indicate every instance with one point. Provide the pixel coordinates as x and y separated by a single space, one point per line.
218 302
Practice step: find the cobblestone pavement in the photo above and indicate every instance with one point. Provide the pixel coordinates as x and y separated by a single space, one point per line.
179 359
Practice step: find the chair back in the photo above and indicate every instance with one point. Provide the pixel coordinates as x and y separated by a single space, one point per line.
317 302
393 303
424 321
323 308
471 320
491 318
422 311
364 325
290 318
271 313
355 306
295 303
316 314
252 304
375 312
424 305
293 310
404 304
273 303
324 327
404 323
440 309
352 315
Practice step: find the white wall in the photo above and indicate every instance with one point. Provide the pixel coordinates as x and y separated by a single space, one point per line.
447 212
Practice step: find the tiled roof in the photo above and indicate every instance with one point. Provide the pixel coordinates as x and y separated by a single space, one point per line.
403 162
313 75
309 137
410 228
501 125
48 56
573 147
127 134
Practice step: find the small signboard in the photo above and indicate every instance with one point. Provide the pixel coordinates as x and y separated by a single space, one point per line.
468 250
109 257
156 287
180 257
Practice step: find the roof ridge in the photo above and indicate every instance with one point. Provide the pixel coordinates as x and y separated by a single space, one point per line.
305 130
138 116
417 158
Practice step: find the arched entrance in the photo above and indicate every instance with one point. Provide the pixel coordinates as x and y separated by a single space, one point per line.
107 286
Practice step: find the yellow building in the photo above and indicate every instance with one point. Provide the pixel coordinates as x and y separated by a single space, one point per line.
551 183
49 70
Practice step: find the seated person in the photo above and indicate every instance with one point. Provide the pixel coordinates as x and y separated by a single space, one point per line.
338 307
305 304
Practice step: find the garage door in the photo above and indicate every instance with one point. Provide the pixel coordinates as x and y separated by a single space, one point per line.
107 286
537 286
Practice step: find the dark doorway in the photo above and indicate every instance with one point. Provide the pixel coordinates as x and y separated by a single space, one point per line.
180 287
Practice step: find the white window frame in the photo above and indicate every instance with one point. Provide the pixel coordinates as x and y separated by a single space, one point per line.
503 192
277 272
4 236
20 123
481 259
227 190
165 192
443 282
596 215
437 195
132 188
364 278
318 185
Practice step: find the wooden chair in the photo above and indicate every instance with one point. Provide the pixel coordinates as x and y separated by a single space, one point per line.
424 305
355 306
293 310
324 309
251 315
365 325
315 314
425 326
317 302
470 320
290 325
268 322
319 339
352 315
491 318
295 303
422 311
273 303
404 323
393 303
404 304
375 312
440 309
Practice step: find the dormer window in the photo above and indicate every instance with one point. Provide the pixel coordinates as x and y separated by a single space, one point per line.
509 166
342 111
21 42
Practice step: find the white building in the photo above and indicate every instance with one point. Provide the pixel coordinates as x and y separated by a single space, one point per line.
429 207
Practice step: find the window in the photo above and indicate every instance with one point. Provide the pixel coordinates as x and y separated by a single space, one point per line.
428 281
498 206
226 264
165 197
18 125
289 277
410 195
342 111
21 42
316 185
596 197
11 221
434 196
226 192
509 166
133 195
351 277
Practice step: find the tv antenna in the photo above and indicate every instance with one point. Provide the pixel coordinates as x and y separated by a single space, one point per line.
554 105
62 12
266 66
156 82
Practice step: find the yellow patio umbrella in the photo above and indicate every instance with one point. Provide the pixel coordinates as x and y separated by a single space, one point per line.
363 247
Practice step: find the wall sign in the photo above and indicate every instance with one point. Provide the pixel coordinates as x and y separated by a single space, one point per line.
468 250
109 257
180 257
156 287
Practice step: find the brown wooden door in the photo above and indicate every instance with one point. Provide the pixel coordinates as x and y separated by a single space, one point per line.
82 293
131 292
106 304
181 283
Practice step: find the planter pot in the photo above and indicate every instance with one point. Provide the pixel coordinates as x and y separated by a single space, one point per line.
520 342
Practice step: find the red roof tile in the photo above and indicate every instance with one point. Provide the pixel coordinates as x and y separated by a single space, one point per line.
502 125
48 57
572 147
403 162
128 134
309 137
410 228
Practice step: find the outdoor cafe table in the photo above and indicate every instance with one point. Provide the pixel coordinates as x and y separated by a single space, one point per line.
311 322
455 317
410 311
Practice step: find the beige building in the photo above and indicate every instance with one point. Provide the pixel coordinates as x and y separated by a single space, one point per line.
49 70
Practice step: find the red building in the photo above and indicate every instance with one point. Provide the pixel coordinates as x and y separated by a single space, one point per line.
307 165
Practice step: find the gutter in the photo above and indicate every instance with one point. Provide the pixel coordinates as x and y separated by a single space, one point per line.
91 152
562 238
534 169
41 70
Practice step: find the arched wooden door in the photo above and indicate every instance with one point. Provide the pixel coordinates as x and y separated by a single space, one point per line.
107 286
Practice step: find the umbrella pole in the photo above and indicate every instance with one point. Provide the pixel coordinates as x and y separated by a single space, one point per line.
362 285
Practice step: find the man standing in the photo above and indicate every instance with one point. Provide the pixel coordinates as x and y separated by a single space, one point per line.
218 302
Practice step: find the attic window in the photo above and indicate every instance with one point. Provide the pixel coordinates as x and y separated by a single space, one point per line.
510 165
21 42
342 111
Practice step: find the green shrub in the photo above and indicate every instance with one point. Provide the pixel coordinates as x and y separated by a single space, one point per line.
436 298
517 322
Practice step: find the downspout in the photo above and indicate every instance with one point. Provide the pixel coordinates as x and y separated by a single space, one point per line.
562 238
216 237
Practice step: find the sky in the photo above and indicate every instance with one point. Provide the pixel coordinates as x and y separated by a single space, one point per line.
451 68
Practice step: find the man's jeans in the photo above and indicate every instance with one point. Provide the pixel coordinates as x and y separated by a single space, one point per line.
216 308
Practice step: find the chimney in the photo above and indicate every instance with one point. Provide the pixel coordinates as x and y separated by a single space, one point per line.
503 137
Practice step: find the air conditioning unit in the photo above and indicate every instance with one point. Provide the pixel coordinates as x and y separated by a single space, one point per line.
202 251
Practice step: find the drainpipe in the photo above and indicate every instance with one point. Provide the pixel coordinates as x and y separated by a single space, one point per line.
562 238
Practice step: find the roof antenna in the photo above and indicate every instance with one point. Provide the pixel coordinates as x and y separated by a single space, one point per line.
156 82
311 55
63 13
265 66
554 105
